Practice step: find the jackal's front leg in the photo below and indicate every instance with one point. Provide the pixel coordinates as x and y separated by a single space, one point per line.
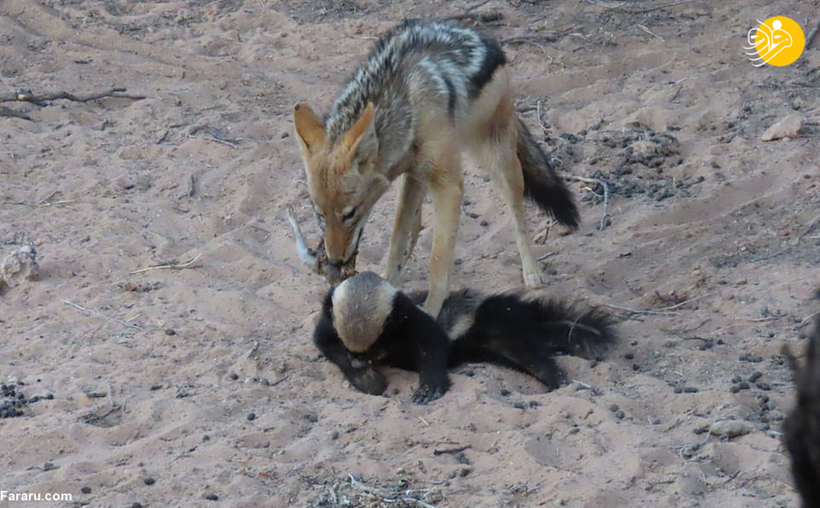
447 190
406 227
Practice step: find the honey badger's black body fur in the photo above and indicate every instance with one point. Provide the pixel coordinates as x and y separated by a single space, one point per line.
507 329
801 430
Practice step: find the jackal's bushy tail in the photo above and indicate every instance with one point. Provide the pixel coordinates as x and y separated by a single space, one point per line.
541 183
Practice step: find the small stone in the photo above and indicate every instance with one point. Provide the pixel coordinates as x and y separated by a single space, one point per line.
534 403
86 490
211 497
729 428
519 405
574 430
251 417
504 392
734 388
744 385
629 356
678 389
234 376
136 505
50 396
788 127
464 472
170 331
619 414
690 389
755 376
764 386
149 481
48 466
334 435
700 430
312 418
552 271
614 408
484 223
206 438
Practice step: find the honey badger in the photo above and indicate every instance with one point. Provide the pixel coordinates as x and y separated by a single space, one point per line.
366 322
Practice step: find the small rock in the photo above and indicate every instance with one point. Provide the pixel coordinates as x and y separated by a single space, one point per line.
620 414
86 490
734 388
519 405
574 430
504 392
211 497
19 266
744 385
729 428
690 389
629 356
48 466
764 386
234 376
334 435
149 481
170 331
251 417
788 127
136 505
614 408
755 376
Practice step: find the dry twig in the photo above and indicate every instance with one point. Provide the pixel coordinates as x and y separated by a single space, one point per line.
98 313
168 265
602 225
28 96
621 6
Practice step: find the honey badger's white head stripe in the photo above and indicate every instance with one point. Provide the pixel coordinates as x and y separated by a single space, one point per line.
361 305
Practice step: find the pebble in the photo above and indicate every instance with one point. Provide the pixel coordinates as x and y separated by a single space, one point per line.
629 356
170 331
312 418
729 428
504 392
734 388
755 376
86 490
744 385
614 408
574 430
519 405
334 435
234 376
620 414
149 481
484 223
750 358
464 472
251 417
136 505
211 497
690 389
764 386
534 403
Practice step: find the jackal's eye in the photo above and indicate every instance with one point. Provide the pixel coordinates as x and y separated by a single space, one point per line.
348 214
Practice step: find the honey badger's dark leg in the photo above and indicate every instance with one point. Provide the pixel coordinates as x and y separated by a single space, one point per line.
365 379
418 343
524 352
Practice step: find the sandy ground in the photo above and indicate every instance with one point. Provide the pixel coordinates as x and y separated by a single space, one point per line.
709 227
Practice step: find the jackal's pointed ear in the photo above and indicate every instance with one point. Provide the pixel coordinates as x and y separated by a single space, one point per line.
363 133
309 127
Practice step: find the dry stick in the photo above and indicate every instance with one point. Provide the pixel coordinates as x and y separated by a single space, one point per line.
638 311
98 313
811 35
4 111
168 265
39 99
620 6
605 186
451 450
480 17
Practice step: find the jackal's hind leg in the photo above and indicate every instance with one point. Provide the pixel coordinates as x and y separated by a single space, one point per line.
406 227
499 157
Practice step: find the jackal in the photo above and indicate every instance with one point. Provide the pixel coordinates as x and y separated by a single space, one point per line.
427 92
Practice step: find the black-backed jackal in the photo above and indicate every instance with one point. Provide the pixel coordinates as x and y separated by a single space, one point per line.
427 92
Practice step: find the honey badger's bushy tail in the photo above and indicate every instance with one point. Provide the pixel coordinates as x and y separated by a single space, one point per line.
541 183
527 334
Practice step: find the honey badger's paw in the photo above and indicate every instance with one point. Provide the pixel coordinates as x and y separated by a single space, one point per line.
430 391
368 380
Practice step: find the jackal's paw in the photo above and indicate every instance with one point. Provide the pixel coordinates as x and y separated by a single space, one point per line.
534 278
368 380
428 392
